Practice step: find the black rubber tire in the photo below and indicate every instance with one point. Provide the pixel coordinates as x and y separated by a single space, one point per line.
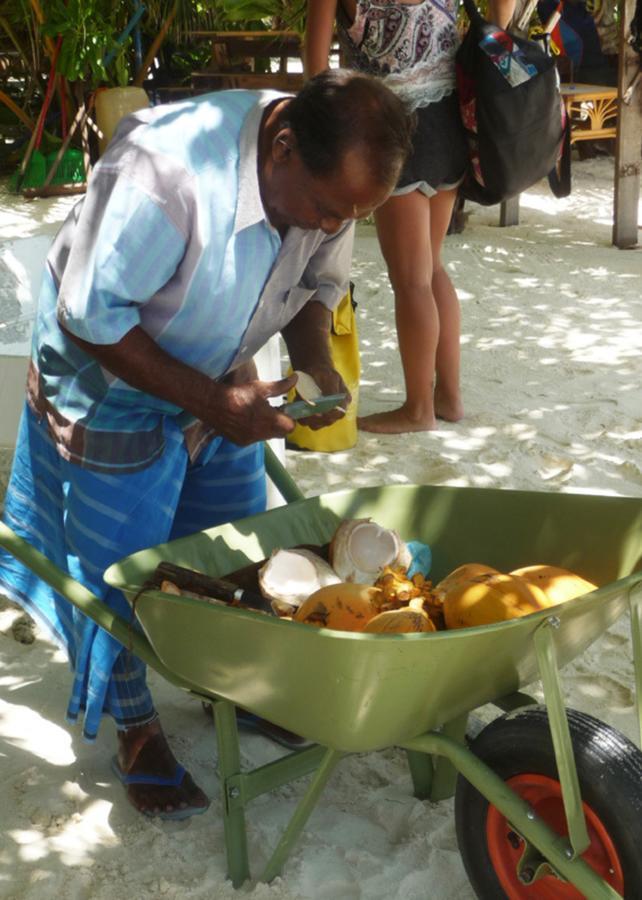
609 768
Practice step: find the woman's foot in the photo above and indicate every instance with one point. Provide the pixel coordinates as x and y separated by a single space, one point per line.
396 421
156 784
448 407
403 421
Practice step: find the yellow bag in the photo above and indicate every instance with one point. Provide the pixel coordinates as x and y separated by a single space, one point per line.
344 346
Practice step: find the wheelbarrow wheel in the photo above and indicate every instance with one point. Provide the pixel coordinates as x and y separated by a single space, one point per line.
519 748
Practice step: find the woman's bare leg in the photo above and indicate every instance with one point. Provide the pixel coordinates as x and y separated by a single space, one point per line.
447 397
410 240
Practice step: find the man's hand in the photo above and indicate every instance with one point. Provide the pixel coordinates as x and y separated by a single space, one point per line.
330 382
307 338
242 413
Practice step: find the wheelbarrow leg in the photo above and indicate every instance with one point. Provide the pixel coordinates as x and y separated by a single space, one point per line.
229 762
445 777
434 777
297 822
422 770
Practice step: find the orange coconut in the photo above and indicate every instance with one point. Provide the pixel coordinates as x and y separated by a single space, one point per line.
346 606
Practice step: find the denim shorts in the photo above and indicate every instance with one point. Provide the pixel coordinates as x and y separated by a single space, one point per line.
440 151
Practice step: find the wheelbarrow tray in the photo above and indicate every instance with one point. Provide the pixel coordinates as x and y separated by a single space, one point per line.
357 692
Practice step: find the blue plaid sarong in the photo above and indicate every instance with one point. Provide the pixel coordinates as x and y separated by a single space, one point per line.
84 521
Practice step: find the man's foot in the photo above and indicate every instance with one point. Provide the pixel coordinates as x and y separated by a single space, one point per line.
155 783
396 421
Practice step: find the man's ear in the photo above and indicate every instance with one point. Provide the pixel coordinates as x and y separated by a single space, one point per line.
283 145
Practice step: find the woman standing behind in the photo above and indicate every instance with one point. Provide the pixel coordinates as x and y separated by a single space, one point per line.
412 46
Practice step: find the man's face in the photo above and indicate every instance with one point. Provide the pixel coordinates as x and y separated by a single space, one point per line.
294 197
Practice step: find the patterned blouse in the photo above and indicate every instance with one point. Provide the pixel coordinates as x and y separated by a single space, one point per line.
411 46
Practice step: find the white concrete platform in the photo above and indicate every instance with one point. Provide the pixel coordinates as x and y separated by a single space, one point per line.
27 228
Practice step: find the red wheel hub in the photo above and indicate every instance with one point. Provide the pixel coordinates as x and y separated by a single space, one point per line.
505 849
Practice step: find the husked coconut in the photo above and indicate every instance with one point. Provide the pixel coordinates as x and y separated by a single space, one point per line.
290 576
497 598
345 606
468 572
406 620
558 584
360 549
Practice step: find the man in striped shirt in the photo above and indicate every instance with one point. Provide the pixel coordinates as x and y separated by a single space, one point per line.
208 226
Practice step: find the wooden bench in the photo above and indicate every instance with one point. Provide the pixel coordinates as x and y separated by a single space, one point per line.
252 60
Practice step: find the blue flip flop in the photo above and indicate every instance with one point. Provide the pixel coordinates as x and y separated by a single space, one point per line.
175 780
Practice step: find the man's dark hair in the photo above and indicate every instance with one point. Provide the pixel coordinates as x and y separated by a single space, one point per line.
339 110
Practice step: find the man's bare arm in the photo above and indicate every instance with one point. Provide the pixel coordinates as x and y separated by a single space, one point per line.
307 338
240 413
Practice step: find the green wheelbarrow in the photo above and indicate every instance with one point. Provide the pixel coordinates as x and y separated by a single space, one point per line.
548 800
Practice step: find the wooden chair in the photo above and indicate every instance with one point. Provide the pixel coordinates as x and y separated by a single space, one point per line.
592 110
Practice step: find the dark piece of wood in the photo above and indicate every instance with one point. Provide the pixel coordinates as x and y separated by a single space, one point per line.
629 136
208 586
244 59
509 212
55 190
251 81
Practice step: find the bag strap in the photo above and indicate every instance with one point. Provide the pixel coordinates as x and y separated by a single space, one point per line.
636 29
473 12
559 179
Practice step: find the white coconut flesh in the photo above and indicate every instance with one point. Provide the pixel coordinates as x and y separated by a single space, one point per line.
306 387
360 549
290 576
371 547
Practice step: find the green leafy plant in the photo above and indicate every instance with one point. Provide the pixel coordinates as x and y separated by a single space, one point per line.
266 14
89 31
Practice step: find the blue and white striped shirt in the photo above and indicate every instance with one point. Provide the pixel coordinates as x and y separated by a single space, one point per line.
171 236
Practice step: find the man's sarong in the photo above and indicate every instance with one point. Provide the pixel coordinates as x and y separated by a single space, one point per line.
84 521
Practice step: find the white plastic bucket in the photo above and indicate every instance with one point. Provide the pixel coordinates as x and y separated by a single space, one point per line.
114 103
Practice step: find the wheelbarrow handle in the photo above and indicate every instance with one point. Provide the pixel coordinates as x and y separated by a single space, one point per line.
280 477
78 594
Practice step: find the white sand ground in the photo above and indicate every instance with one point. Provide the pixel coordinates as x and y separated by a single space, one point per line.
552 343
